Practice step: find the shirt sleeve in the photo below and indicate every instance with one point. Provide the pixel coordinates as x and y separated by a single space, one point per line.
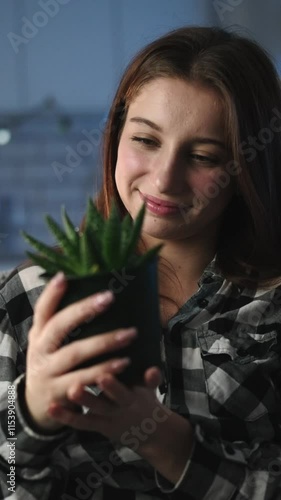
231 470
48 466
247 466
29 461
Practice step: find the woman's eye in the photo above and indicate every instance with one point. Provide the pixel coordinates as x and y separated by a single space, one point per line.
145 141
204 159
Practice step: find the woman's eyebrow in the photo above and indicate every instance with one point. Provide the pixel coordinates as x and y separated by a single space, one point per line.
139 119
196 140
209 140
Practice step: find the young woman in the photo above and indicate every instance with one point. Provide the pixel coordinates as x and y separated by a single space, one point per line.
195 132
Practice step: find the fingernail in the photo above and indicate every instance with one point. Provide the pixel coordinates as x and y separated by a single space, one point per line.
104 298
120 363
54 409
126 334
59 279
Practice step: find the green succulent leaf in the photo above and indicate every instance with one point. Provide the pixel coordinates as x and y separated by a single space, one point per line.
105 244
96 249
126 230
51 267
149 254
49 252
94 222
87 254
69 227
52 255
67 245
111 239
135 234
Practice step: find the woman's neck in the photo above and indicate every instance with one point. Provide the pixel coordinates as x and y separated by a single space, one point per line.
187 259
181 265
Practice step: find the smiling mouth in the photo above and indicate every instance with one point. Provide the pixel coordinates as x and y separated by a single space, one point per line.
161 207
151 200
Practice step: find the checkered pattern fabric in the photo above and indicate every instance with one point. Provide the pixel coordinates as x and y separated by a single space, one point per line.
223 373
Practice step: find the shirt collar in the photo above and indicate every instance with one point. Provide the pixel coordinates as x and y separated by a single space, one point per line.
211 273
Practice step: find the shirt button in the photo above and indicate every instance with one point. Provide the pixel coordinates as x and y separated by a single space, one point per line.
163 388
203 303
208 279
229 450
276 468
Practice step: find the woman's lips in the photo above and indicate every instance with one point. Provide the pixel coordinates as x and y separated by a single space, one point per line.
160 207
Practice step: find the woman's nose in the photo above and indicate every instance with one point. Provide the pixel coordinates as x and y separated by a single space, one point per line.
169 173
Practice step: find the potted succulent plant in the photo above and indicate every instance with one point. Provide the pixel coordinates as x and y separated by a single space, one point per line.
103 256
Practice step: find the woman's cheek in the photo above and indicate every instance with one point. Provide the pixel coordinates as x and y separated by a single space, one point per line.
201 182
126 172
211 195
130 164
206 191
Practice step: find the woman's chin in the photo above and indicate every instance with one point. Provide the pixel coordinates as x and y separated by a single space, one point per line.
165 234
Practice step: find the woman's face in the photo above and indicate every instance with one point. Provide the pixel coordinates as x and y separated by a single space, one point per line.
171 155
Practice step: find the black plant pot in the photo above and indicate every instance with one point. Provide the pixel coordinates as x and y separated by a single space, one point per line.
136 304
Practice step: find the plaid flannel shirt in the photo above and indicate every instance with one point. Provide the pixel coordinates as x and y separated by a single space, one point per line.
222 358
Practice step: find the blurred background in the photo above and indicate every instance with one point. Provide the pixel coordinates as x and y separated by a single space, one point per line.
60 63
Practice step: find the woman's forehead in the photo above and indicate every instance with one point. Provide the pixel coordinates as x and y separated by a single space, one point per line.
170 102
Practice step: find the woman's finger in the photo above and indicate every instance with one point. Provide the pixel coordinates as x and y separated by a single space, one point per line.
89 376
70 317
48 301
115 390
86 422
99 405
153 377
71 355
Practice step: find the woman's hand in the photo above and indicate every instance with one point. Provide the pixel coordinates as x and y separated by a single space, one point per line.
117 409
49 378
135 418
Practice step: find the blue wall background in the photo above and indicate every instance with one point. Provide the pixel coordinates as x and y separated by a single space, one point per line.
79 54
65 57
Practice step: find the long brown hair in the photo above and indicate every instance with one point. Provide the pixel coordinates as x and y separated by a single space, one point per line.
249 246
